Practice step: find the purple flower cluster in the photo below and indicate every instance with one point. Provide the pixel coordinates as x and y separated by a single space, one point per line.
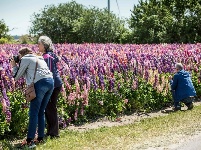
94 66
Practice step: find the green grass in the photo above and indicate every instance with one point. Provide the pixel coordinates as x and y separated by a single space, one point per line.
124 137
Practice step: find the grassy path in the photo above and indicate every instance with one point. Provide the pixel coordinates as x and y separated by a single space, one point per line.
155 132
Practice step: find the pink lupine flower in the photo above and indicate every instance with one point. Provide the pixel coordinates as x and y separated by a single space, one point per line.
88 84
72 98
100 102
85 95
3 102
196 69
82 110
75 115
68 86
135 84
102 86
77 86
126 101
63 92
92 70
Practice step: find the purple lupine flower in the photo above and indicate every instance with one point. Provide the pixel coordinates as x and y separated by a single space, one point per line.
111 84
155 81
146 75
62 122
7 112
94 83
101 80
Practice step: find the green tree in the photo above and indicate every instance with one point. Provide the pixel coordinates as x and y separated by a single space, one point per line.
166 21
99 26
3 29
57 22
150 22
4 36
74 23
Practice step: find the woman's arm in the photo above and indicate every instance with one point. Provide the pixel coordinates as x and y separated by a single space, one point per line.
174 82
20 71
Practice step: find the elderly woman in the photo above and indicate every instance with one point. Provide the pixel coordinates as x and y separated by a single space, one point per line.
43 84
182 88
46 47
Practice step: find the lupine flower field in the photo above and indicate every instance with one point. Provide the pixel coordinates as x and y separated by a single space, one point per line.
100 80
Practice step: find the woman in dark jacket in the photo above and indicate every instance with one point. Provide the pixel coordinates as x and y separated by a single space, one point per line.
182 87
46 47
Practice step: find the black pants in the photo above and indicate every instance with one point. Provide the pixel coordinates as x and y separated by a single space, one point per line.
51 114
187 101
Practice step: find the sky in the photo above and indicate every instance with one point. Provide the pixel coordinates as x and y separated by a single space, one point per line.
17 13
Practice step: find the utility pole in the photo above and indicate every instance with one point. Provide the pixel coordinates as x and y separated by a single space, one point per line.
108 5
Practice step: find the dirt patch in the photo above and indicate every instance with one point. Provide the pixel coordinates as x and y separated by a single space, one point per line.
124 119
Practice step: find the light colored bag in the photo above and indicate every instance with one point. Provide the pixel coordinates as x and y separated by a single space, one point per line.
30 93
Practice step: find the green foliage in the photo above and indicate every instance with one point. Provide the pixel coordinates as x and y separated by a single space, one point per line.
123 98
4 37
3 40
196 82
57 22
19 119
27 39
73 23
4 126
99 26
19 113
3 29
166 21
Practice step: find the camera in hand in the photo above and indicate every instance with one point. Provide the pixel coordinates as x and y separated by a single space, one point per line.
16 58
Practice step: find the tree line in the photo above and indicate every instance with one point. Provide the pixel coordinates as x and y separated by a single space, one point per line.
151 21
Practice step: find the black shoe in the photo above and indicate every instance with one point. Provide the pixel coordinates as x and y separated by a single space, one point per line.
25 145
176 108
39 141
190 106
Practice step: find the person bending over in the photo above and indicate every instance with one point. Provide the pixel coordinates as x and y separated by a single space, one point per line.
44 85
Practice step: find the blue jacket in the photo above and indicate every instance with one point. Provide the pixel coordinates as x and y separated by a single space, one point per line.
51 60
182 85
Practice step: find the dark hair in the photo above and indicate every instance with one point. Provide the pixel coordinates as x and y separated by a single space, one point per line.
25 50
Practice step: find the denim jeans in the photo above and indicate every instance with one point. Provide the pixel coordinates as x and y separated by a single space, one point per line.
186 101
43 88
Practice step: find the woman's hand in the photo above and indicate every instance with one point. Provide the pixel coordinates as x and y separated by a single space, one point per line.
12 62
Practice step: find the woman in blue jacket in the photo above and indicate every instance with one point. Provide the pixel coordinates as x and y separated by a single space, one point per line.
46 47
182 87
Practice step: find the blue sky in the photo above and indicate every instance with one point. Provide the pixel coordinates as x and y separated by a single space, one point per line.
17 13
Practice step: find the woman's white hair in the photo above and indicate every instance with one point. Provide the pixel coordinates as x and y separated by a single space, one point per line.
47 42
179 66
